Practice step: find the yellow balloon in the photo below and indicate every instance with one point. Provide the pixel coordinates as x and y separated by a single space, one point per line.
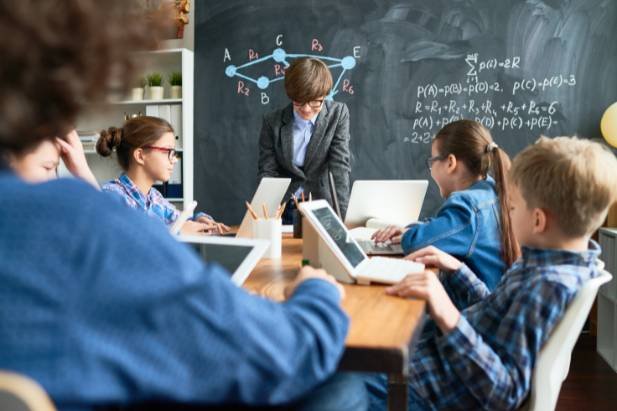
608 125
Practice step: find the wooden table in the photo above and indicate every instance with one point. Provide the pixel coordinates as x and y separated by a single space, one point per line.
382 329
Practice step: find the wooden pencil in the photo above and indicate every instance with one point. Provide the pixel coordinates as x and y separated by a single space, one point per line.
281 211
251 211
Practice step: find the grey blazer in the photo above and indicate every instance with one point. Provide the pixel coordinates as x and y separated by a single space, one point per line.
328 150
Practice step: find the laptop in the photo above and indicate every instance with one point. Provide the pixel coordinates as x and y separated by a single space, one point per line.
375 204
237 256
357 265
270 192
183 218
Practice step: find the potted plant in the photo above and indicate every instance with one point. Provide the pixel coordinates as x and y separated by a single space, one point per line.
137 92
155 84
175 80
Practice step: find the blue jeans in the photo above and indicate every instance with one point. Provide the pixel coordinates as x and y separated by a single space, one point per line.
342 392
377 387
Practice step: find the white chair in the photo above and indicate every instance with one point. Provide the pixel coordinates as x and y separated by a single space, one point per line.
553 362
20 393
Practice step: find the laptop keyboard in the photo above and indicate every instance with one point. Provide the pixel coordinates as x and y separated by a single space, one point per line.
370 247
386 270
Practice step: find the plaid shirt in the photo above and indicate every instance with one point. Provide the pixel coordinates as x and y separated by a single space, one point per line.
154 204
486 362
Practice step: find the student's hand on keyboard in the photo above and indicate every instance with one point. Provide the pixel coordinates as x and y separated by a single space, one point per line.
426 286
307 273
434 257
194 227
212 227
389 235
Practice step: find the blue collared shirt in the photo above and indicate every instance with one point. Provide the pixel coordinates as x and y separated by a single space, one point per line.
486 362
102 307
467 227
154 204
302 132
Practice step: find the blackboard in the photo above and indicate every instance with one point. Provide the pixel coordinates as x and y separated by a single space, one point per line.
404 68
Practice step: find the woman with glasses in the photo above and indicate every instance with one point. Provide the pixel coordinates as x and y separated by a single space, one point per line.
145 150
473 223
309 137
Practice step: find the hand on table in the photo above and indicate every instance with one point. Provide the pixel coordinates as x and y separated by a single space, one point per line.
307 273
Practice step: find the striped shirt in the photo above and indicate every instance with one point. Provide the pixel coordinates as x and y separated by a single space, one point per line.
486 362
154 204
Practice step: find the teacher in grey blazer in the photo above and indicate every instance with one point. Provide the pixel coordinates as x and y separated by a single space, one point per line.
308 138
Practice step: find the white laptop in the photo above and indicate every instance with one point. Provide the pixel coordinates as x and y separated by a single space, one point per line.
270 192
375 204
182 218
238 255
357 265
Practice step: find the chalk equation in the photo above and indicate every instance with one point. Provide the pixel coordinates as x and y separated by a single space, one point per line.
474 97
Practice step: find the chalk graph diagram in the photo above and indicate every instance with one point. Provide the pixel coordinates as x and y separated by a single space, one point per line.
279 55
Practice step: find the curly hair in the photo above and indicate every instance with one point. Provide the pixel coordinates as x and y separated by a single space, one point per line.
58 55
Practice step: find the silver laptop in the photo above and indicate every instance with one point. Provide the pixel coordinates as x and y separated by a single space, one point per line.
237 255
379 203
270 192
357 266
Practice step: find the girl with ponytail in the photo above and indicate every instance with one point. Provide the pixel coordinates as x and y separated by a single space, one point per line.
145 150
473 224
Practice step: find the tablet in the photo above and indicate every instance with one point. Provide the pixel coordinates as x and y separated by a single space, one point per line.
237 255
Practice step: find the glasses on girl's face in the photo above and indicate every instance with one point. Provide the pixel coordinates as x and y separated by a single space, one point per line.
431 160
314 104
172 154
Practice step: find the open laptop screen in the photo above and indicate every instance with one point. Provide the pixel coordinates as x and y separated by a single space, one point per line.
229 256
339 234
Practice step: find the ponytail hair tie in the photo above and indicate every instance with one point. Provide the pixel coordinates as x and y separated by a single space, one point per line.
490 147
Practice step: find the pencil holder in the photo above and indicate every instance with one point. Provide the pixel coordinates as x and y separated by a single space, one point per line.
271 230
297 222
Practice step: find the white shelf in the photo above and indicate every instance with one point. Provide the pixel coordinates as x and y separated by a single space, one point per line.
91 151
144 102
607 300
112 113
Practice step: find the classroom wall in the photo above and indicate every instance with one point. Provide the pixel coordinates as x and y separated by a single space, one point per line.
404 68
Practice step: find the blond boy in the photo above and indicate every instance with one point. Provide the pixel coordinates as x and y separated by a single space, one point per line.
483 356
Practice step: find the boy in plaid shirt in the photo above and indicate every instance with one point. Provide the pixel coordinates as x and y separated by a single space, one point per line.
483 356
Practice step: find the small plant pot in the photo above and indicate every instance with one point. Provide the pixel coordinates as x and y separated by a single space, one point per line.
137 93
176 91
156 93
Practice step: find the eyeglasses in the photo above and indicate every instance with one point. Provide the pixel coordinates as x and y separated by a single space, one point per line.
172 154
431 160
312 104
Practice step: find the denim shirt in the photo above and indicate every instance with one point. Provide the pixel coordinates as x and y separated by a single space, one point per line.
467 227
102 306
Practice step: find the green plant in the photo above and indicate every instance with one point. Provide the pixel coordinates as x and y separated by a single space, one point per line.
141 82
175 78
155 80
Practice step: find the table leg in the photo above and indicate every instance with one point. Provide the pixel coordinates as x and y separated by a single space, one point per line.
397 392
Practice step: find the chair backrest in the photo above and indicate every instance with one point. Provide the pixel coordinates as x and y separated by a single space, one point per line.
20 393
553 362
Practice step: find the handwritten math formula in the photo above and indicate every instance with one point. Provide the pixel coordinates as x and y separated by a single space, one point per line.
521 103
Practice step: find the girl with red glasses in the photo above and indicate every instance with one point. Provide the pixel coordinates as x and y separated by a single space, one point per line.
145 150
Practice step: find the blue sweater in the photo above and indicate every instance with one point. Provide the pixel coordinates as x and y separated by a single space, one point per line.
467 227
100 304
